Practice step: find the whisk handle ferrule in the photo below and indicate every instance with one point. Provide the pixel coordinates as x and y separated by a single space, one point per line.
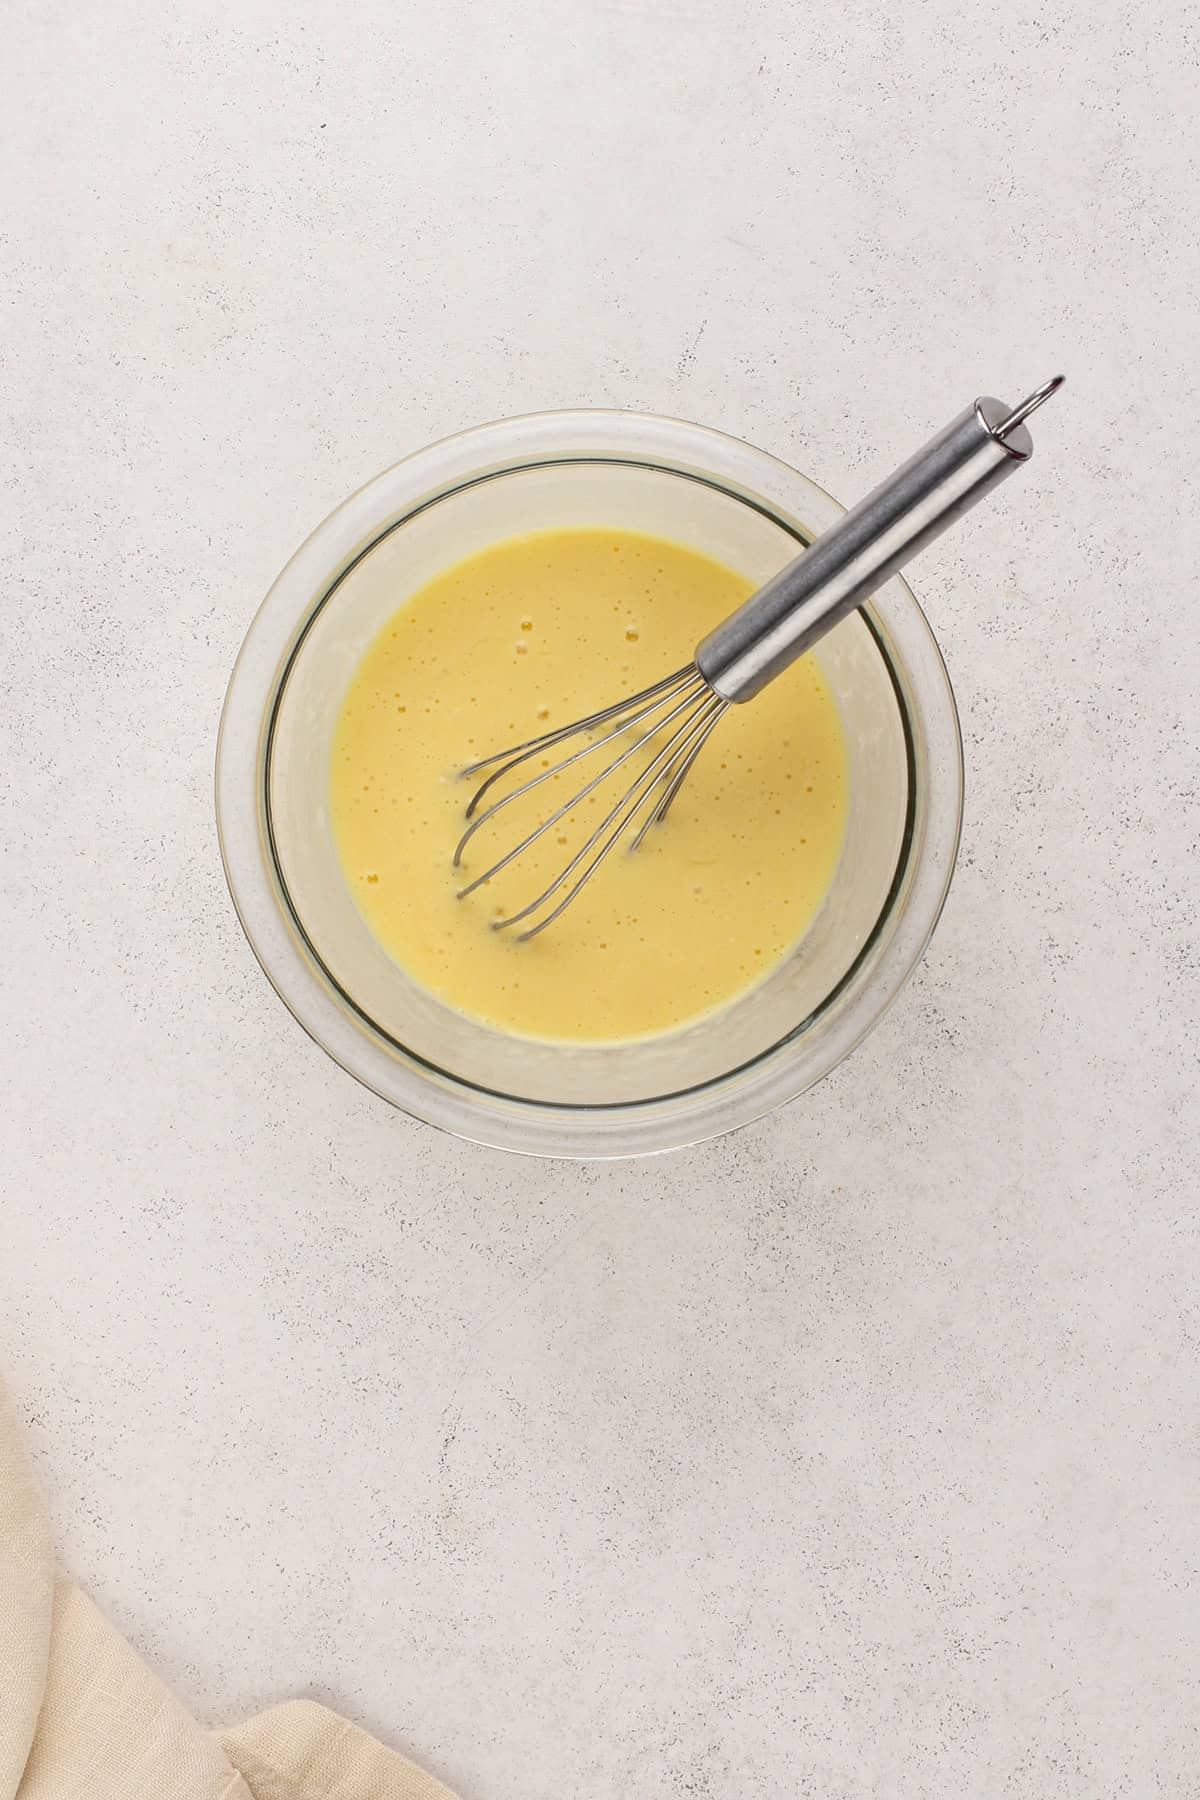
965 461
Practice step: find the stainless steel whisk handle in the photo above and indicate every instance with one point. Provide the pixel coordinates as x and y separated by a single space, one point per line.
974 453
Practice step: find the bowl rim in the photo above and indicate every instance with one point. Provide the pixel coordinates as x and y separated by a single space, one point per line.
435 1096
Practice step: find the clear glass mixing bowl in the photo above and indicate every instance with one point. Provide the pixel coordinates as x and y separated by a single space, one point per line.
625 470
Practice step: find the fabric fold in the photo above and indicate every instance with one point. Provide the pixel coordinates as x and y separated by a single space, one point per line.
83 1718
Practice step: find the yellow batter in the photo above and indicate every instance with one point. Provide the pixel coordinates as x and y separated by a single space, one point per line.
527 635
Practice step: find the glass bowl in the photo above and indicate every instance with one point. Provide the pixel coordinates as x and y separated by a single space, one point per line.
622 470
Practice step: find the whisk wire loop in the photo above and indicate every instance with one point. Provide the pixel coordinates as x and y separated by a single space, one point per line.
681 705
706 710
691 697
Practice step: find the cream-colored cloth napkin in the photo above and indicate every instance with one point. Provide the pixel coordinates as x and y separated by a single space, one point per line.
81 1718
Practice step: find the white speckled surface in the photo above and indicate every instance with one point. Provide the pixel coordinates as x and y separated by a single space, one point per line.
856 1455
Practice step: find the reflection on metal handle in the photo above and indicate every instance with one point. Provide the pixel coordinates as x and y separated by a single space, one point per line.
974 453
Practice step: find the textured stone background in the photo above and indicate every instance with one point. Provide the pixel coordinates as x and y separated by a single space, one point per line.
853 1456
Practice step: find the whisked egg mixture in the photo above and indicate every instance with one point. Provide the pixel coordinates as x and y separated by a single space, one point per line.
533 633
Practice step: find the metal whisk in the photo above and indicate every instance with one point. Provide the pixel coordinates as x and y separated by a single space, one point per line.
665 727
